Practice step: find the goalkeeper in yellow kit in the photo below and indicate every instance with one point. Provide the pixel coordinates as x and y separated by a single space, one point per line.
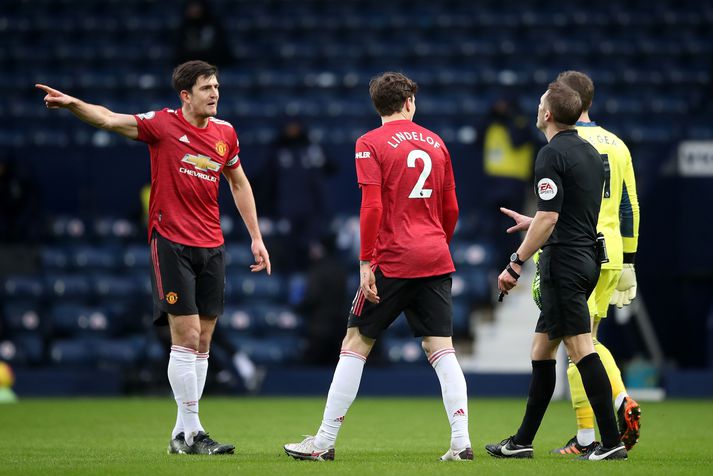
619 222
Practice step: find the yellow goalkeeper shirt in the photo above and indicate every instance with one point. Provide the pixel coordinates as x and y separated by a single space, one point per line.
619 214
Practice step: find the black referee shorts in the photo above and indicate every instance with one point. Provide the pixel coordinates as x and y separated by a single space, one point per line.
186 280
425 301
568 275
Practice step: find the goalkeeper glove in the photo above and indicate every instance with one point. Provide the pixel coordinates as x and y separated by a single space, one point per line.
625 291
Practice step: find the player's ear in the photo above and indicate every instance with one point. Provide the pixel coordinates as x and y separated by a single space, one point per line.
185 96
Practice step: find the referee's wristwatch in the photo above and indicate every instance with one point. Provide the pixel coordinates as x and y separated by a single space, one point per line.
515 258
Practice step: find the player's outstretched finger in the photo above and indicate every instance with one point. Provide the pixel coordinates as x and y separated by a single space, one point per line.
268 266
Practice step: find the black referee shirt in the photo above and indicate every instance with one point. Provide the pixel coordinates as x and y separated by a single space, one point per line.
569 179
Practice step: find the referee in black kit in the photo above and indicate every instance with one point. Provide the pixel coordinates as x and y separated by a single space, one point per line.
569 179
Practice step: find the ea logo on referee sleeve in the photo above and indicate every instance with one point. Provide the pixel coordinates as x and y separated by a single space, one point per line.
172 298
546 189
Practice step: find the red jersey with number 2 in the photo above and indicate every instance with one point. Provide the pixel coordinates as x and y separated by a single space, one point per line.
413 168
186 164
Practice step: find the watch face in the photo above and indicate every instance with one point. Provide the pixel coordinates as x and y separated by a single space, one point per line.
514 257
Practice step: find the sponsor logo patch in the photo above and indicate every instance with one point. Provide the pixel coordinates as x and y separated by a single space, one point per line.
172 298
546 189
363 155
201 162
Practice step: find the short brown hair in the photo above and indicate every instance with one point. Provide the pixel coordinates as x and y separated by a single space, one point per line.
581 83
564 103
389 90
185 75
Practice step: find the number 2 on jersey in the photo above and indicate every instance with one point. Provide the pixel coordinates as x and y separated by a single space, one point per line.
418 190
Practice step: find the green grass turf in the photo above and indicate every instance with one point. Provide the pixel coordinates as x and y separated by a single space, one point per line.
380 436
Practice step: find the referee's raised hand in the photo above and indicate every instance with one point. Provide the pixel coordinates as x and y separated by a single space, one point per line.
522 222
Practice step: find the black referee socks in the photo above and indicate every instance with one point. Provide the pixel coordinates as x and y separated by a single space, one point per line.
598 388
542 386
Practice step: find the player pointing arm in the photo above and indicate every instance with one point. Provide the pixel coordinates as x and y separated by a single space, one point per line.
92 114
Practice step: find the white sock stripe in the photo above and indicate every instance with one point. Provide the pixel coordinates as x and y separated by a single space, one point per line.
349 353
188 350
202 355
440 353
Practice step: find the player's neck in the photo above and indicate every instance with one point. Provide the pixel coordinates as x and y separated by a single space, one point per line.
198 121
584 117
398 116
552 130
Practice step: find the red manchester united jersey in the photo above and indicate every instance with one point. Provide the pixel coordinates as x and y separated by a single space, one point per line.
186 163
413 168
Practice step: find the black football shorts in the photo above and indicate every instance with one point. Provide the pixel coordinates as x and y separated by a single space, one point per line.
426 302
568 275
186 280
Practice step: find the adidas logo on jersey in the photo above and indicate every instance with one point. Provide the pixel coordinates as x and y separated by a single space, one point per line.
183 138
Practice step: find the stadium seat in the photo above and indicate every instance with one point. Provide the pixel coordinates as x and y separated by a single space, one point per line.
56 258
25 348
68 286
23 316
137 256
116 286
122 351
404 351
23 287
95 257
78 351
269 351
241 285
70 319
240 319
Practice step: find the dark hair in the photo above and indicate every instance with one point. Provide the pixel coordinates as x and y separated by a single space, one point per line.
564 103
185 75
389 90
581 83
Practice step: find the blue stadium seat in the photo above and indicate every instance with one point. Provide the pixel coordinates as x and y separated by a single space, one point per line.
278 320
270 350
241 285
70 319
461 318
23 287
79 351
107 228
24 348
23 316
137 256
96 257
238 255
115 286
404 351
68 228
240 319
69 286
56 257
122 351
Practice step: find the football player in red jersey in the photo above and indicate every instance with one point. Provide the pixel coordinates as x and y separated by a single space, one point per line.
189 151
408 214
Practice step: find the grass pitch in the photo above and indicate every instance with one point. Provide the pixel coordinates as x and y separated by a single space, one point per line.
385 436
